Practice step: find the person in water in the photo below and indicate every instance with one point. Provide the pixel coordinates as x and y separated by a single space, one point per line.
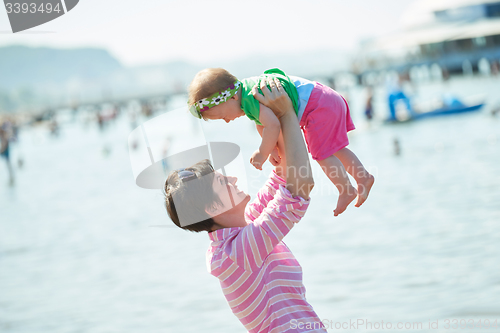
323 115
259 275
5 151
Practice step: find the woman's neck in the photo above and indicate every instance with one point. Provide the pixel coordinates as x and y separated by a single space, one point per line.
233 218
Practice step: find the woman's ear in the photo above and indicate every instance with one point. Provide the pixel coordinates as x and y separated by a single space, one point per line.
213 210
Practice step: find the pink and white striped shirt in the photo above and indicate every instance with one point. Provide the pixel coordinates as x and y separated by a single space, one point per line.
259 275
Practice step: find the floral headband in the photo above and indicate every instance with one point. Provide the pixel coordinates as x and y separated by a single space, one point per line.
219 97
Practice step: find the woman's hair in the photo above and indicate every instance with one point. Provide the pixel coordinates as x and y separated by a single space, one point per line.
208 82
193 197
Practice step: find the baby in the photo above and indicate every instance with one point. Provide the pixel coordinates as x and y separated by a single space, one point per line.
323 116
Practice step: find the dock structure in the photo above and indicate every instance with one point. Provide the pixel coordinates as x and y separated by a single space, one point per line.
148 104
439 38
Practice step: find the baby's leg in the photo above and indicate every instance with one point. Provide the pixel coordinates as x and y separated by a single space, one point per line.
356 169
335 171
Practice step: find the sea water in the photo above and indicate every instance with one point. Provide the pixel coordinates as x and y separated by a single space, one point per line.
83 249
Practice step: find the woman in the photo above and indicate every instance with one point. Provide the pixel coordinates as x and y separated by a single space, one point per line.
260 277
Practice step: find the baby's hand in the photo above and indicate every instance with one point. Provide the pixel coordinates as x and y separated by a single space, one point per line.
275 158
258 159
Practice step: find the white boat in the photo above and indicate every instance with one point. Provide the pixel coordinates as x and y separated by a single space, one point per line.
457 36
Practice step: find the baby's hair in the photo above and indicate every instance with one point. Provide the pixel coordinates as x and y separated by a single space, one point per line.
209 81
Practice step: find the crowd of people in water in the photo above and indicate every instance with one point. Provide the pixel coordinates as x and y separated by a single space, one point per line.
9 134
101 115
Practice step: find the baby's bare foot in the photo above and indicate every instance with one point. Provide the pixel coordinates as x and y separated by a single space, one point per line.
364 187
345 198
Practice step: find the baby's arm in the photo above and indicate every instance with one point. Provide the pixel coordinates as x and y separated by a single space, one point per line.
270 132
274 157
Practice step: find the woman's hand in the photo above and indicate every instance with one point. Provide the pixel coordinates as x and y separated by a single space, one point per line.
276 99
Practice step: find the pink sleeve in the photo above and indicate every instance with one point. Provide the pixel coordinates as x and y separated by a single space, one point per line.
265 194
253 244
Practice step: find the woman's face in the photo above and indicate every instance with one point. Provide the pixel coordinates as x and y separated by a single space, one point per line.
230 195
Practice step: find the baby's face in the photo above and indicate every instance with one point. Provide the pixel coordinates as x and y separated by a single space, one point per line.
227 111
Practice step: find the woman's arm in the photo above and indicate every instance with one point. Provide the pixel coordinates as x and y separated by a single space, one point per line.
264 196
299 175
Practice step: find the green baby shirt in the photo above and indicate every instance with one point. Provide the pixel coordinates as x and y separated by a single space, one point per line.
250 105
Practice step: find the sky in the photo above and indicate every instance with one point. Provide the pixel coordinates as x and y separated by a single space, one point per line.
157 31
